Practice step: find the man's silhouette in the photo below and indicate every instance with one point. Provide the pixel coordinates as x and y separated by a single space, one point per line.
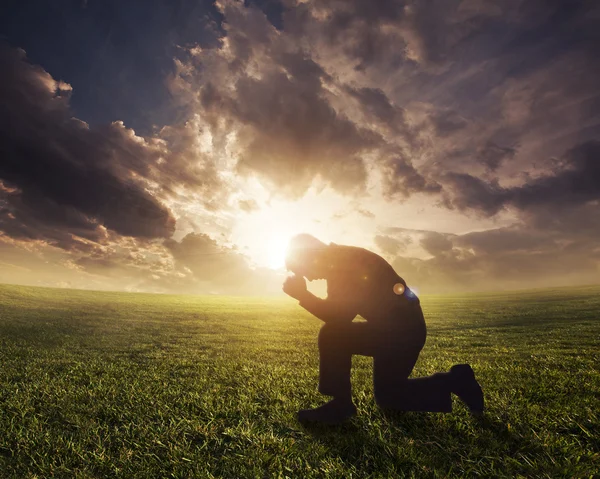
360 282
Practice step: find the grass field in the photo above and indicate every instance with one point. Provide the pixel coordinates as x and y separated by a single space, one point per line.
96 384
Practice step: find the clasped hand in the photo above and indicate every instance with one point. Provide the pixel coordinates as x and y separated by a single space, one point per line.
295 286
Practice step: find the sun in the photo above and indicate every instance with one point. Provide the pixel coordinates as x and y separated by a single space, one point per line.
276 249
264 233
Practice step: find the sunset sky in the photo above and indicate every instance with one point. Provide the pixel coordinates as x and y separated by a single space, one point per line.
176 145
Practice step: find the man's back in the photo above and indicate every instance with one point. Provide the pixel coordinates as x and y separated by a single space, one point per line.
365 281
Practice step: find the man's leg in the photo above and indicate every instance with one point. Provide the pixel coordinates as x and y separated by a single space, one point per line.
393 364
394 390
337 344
335 359
395 354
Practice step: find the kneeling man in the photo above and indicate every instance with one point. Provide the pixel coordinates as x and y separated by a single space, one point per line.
360 282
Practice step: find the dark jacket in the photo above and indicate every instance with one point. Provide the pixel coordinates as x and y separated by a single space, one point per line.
360 282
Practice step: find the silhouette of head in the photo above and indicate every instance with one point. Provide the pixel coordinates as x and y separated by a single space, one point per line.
304 257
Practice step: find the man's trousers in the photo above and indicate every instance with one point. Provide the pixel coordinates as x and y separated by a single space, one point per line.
395 348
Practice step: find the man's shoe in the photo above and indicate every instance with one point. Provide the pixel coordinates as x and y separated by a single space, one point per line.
466 387
333 412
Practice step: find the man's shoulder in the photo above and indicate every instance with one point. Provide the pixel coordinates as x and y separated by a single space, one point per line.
356 258
345 251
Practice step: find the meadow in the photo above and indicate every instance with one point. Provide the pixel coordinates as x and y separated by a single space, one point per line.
100 384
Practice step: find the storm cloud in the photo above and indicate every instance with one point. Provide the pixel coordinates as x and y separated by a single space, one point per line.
573 182
59 172
294 121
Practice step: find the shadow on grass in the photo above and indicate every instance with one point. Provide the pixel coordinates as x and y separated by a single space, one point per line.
407 440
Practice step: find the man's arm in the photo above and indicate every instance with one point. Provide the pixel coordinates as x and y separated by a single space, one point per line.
327 310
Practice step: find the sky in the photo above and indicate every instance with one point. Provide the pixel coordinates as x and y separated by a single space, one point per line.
175 146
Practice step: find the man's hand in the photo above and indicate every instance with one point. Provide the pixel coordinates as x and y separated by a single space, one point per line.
295 286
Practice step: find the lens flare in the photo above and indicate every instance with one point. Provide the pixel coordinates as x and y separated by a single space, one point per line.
399 289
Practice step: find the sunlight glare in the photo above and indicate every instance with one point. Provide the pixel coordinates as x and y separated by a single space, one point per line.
264 233
276 253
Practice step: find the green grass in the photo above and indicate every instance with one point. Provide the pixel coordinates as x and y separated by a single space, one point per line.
96 384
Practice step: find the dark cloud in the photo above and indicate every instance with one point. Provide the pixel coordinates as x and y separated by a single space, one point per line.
292 119
67 174
483 96
472 193
447 122
581 220
363 32
288 132
376 102
115 54
556 241
492 155
377 106
403 180
575 181
292 134
430 30
28 217
186 163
